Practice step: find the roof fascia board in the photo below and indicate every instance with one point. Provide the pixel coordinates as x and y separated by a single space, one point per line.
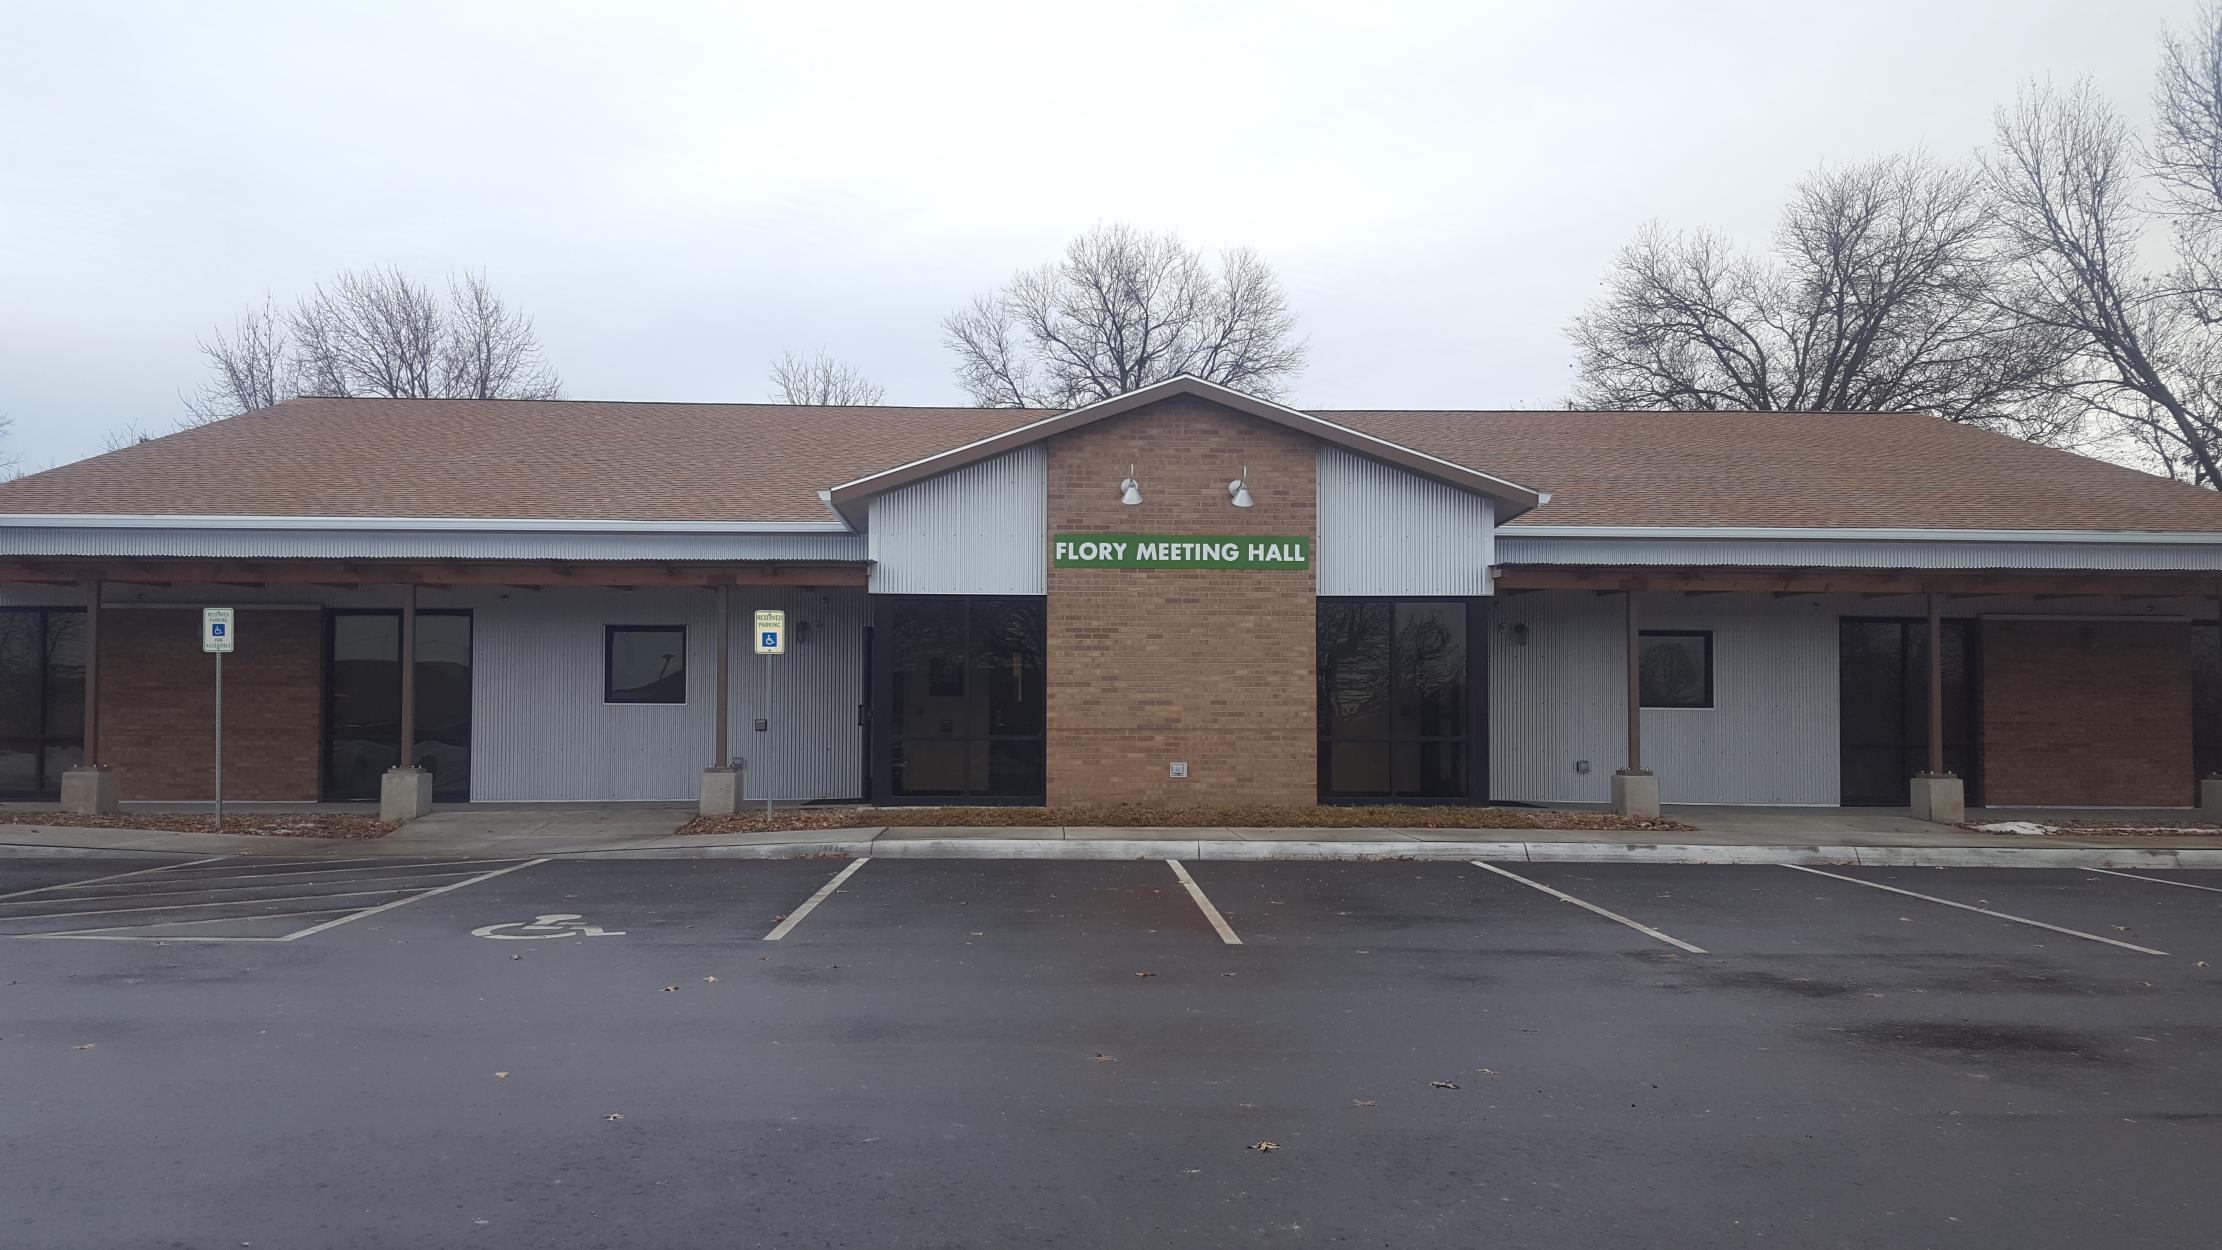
1808 534
1516 498
561 525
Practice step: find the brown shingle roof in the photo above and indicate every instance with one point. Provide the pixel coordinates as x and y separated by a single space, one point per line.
1884 470
766 462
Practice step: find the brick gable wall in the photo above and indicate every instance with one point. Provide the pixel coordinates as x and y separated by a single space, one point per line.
1211 667
2086 713
157 705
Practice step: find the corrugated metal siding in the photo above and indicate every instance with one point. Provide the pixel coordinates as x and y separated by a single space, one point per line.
979 530
1516 548
397 544
1383 531
1770 737
541 731
814 748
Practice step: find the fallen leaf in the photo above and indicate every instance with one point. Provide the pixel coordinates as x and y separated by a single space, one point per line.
1103 1058
501 1076
1266 1145
614 1116
1487 1071
669 988
86 1046
1444 1084
711 980
1363 1102
1145 974
979 933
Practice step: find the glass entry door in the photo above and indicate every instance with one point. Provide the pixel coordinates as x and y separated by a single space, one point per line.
957 699
362 721
1883 666
42 699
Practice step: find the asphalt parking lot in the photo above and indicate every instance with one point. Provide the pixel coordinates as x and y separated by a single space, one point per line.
986 1053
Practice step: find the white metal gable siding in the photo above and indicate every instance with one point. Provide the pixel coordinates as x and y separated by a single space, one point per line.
540 730
978 530
1514 547
1383 531
1770 737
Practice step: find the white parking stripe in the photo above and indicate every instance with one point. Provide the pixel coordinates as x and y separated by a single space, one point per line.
1219 922
1564 897
810 904
202 906
1931 898
114 876
226 889
99 930
401 902
2157 880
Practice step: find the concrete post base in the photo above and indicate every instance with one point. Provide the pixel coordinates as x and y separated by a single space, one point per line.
1636 794
2210 798
1940 797
404 794
91 792
721 791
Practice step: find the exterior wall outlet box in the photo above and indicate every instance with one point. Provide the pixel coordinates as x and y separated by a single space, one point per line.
1581 766
762 724
1180 768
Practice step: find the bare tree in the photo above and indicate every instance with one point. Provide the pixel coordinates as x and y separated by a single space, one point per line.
2072 178
11 465
821 379
381 332
1880 293
249 365
375 332
1121 310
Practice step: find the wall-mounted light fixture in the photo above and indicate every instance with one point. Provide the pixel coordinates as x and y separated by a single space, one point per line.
1239 493
1130 491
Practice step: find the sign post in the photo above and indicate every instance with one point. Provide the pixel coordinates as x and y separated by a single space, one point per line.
216 638
770 636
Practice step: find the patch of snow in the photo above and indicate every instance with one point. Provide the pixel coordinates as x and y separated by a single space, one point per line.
2019 826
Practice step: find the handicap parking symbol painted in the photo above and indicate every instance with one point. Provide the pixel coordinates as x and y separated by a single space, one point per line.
552 925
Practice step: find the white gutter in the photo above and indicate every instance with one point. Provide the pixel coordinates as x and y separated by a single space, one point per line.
1811 534
544 525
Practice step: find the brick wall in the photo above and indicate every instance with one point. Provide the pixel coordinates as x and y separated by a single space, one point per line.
157 705
2086 713
1214 667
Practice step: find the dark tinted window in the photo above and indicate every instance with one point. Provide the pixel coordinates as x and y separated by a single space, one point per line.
1676 668
1395 703
647 664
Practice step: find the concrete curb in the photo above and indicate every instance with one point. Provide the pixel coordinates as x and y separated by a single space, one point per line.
1231 849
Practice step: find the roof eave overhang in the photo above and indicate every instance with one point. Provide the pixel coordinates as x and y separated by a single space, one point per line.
460 525
849 500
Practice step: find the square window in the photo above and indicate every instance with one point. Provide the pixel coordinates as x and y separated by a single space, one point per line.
1676 668
645 664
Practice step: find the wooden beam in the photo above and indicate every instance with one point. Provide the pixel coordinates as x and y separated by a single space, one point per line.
1608 580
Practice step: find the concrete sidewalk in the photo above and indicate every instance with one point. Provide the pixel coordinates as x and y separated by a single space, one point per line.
1724 836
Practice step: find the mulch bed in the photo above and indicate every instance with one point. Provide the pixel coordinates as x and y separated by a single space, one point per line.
2101 829
266 824
1135 816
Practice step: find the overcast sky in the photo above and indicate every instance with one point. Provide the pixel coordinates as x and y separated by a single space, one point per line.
678 192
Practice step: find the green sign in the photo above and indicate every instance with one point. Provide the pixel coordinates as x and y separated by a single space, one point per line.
1181 551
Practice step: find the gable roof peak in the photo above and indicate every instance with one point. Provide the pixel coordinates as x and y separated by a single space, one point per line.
849 498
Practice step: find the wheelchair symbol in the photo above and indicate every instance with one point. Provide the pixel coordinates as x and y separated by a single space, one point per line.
553 925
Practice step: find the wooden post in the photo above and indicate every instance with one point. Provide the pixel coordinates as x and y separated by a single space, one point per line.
92 675
1635 688
1936 687
408 675
724 637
